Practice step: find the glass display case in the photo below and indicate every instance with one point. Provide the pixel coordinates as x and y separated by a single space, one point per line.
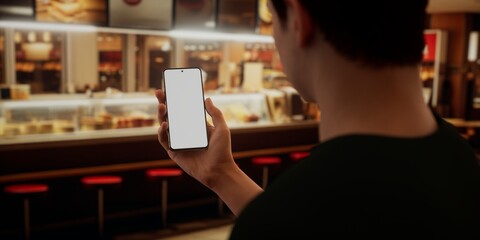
64 114
77 116
2 54
242 108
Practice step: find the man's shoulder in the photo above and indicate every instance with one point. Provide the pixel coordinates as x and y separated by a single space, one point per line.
360 182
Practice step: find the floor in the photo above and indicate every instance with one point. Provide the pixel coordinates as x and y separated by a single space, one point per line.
217 233
213 228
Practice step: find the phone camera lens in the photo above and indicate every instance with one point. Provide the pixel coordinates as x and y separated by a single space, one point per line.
182 70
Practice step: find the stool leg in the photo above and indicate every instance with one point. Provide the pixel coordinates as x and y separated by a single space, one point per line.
265 177
100 212
26 212
164 202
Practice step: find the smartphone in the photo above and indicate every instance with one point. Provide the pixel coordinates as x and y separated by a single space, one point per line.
186 117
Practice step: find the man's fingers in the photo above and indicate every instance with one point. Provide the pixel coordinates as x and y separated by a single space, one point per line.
160 95
217 115
163 135
162 112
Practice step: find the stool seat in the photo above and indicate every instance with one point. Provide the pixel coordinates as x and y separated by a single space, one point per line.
266 160
297 156
101 180
26 188
164 172
26 191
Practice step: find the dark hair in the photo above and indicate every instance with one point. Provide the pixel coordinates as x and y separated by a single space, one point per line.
379 33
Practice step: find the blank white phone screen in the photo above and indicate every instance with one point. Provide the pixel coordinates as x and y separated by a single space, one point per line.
185 109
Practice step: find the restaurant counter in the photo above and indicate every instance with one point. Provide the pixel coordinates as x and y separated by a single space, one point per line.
95 152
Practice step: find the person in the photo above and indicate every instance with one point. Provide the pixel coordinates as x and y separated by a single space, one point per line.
386 165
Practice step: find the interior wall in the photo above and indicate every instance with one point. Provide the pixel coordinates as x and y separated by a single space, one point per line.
84 59
456 25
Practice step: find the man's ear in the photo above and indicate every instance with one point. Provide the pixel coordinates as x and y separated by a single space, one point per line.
302 22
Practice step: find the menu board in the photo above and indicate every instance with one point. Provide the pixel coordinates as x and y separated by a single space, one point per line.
237 15
16 10
195 14
72 11
151 14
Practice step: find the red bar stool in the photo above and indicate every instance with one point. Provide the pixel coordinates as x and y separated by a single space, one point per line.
100 183
26 191
265 163
163 174
297 156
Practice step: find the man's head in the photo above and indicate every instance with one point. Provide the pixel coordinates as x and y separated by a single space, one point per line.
377 33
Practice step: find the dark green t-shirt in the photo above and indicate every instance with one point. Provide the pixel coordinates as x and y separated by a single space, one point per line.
372 186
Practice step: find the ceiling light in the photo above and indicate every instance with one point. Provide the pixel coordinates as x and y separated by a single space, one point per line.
47 26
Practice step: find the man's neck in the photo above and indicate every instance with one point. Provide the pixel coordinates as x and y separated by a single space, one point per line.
361 100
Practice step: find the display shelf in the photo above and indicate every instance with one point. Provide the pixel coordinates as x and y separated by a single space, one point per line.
45 119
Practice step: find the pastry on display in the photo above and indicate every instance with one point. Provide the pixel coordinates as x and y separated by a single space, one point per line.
106 119
240 113
122 123
67 128
64 126
148 122
252 118
137 122
87 123
11 130
45 127
31 128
